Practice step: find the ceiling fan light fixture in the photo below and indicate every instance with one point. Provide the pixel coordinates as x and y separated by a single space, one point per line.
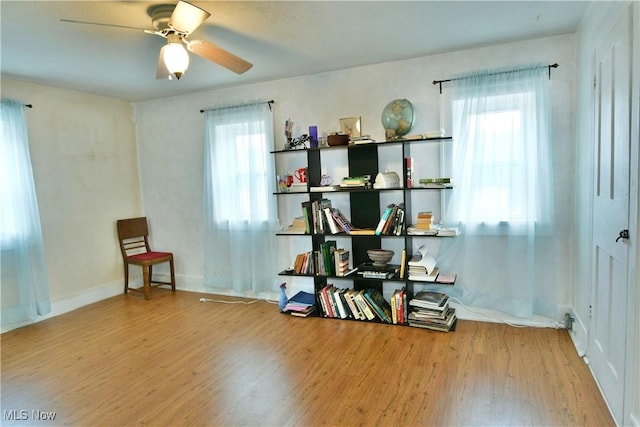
175 58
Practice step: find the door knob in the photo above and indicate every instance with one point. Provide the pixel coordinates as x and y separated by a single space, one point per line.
624 234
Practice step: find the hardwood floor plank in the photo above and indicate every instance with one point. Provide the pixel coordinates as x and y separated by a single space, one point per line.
174 361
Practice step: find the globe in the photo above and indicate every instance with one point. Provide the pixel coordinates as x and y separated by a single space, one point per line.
397 118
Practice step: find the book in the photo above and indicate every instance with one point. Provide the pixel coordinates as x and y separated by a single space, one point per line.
390 222
422 262
421 276
409 171
362 231
333 225
304 313
379 304
443 323
446 278
341 311
301 304
435 180
357 314
353 181
383 218
399 226
424 220
363 306
403 262
448 232
306 214
370 271
341 258
429 299
324 188
341 220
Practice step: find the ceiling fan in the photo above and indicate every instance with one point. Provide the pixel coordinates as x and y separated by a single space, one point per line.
175 23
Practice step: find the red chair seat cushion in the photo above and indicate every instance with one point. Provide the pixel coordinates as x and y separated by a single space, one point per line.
149 256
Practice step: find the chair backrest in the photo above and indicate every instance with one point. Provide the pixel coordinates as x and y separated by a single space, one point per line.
133 235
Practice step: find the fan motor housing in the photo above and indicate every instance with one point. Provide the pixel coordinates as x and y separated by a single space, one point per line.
160 15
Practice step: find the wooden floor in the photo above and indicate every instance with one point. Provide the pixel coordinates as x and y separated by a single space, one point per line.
175 361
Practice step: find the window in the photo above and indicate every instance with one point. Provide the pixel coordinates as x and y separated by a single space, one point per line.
23 270
17 191
240 215
246 173
500 165
496 149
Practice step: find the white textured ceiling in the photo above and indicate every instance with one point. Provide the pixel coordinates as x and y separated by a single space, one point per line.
281 38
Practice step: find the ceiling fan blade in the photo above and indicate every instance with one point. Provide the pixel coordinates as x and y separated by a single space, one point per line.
102 24
219 56
187 17
162 71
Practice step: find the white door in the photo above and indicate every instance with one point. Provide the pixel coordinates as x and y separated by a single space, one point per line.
606 347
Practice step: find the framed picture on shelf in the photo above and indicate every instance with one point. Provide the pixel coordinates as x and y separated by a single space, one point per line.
351 126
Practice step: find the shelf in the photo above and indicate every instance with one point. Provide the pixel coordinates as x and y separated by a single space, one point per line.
365 205
358 146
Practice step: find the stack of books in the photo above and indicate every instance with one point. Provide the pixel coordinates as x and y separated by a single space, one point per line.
303 263
436 182
325 261
341 258
370 271
364 139
424 221
422 266
392 220
297 226
448 232
431 310
415 231
301 304
354 182
314 217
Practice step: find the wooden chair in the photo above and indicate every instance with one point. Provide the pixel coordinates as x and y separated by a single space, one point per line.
133 234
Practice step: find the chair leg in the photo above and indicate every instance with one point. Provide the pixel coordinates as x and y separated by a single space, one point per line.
173 276
126 277
146 278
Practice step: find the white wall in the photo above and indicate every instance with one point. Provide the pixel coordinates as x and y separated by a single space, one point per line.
171 131
83 152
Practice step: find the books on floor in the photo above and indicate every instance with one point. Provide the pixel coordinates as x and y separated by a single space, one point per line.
431 310
301 304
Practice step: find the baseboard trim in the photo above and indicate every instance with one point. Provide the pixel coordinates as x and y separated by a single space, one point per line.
579 334
74 301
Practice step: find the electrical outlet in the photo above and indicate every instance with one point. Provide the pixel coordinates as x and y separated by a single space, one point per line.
568 321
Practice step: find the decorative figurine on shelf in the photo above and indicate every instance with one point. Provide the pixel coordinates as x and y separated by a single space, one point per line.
283 300
300 142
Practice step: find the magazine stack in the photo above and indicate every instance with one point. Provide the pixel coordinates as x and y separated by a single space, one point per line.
431 310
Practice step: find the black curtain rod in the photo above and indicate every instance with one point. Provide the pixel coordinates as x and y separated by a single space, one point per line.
439 82
241 105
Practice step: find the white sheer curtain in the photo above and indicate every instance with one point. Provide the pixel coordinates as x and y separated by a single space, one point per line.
23 271
240 210
503 173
